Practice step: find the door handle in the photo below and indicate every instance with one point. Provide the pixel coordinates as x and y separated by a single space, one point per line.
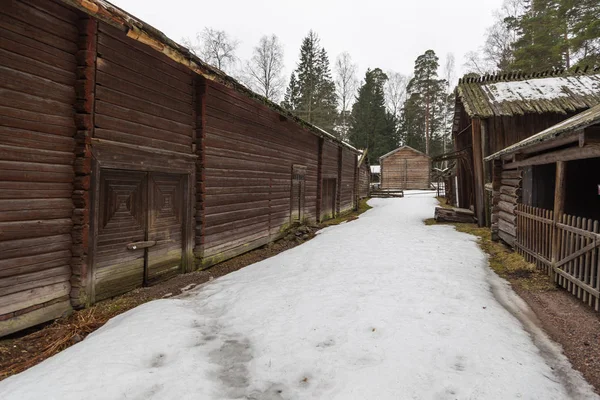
140 245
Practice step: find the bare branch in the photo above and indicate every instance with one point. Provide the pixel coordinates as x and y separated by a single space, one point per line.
265 68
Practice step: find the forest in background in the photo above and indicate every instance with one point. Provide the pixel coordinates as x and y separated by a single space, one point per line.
386 109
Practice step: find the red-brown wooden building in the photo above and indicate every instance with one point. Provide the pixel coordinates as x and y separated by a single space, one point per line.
496 111
125 160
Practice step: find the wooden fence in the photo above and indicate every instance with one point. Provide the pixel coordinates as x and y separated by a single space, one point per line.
566 248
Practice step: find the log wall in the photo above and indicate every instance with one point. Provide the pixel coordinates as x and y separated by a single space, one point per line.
247 173
38 47
506 197
406 169
95 125
347 193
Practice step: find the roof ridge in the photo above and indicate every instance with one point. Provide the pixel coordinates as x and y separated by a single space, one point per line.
519 75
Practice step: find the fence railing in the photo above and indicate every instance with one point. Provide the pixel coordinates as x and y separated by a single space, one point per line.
566 248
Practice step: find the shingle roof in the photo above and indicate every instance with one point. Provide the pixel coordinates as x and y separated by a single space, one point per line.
579 121
519 94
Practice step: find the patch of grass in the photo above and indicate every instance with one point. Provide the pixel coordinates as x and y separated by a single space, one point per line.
507 263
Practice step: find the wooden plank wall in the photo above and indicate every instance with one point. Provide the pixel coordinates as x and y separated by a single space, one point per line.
142 97
330 169
144 102
406 169
249 153
38 45
347 184
506 198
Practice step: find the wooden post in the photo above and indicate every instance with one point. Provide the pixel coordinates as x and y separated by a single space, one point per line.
478 179
85 87
560 190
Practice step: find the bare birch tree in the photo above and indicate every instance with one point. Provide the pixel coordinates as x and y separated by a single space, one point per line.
265 68
346 84
395 92
214 47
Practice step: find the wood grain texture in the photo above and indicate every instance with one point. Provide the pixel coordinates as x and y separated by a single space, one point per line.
405 169
38 42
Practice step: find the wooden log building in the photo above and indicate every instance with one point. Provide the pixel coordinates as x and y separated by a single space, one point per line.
496 111
405 168
364 176
125 160
546 202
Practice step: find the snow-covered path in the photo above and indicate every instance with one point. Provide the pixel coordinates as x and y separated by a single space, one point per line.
380 308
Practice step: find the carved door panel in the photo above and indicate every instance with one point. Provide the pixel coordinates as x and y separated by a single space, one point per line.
165 226
121 220
140 230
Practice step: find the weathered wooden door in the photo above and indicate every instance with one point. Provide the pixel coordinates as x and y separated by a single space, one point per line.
121 220
329 191
140 230
165 226
297 195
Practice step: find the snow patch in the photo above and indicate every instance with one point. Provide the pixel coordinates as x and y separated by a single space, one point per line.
380 308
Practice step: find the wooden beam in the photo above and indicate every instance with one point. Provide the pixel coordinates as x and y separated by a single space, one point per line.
572 153
478 178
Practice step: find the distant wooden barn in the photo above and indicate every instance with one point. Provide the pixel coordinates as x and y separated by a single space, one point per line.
546 202
496 111
405 168
125 160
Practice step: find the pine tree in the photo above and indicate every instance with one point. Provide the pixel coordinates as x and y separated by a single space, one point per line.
544 36
423 120
311 92
371 126
290 99
584 16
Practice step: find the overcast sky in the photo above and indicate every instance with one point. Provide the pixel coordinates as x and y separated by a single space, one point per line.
389 34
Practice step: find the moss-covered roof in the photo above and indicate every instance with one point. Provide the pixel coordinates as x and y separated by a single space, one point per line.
150 36
573 124
512 94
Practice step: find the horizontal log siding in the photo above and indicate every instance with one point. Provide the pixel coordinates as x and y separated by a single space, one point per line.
348 183
142 97
416 176
38 46
246 180
504 211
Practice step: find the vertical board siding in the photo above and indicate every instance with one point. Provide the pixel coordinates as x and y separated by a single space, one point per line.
364 176
406 169
142 97
38 45
249 152
348 182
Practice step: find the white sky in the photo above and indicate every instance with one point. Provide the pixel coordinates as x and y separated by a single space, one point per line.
389 34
